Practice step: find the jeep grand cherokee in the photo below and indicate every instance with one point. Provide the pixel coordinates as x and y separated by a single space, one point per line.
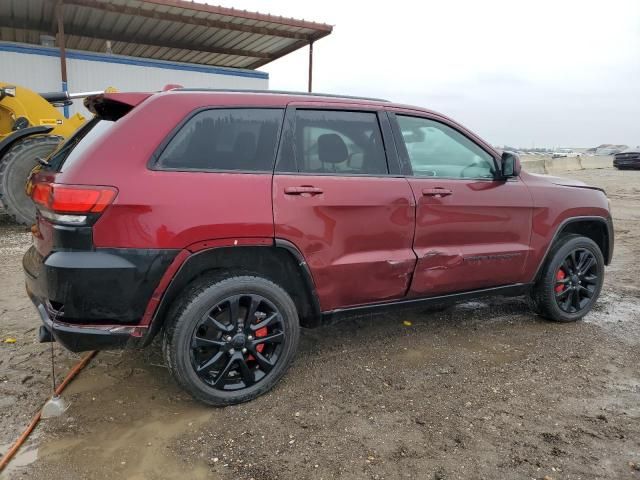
224 221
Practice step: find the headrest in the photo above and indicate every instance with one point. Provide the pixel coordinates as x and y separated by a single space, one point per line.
331 148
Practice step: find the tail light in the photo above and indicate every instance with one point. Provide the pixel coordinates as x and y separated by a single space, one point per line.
71 203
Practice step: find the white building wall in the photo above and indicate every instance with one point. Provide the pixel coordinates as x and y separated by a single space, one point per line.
38 68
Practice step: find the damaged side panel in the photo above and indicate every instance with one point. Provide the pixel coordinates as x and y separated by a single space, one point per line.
464 268
475 237
356 235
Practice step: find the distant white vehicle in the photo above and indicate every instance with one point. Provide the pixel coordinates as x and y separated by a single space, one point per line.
607 151
564 152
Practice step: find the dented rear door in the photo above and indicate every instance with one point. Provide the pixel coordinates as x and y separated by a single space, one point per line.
336 200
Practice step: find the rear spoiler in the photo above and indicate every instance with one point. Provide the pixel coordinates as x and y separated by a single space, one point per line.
112 106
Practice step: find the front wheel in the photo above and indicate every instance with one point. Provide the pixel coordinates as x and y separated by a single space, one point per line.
231 340
571 280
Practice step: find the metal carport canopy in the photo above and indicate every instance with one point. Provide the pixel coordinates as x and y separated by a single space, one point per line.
174 30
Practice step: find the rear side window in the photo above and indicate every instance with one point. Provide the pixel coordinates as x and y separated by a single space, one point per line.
339 142
225 139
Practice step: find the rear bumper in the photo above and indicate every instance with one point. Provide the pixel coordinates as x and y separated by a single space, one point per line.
95 299
78 338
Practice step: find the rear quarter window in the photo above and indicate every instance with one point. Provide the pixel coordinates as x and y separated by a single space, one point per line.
75 146
225 140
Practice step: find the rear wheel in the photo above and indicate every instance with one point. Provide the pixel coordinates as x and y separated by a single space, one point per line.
231 340
15 167
571 280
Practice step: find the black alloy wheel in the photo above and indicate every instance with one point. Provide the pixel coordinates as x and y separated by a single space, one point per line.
238 342
570 281
230 339
576 280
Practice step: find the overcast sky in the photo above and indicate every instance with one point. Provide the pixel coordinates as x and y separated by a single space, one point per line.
546 73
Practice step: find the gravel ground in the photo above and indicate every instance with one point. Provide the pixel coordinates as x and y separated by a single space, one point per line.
482 390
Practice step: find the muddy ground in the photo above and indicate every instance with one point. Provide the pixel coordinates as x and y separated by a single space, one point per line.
482 390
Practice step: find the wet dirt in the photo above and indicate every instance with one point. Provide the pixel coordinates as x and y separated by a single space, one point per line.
482 390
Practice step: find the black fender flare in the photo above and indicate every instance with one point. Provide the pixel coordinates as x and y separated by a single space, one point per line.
608 223
8 142
193 265
306 275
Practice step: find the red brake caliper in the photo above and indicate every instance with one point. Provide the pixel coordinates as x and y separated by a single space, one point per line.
262 332
560 276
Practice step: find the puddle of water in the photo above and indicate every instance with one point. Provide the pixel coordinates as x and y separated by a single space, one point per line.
471 305
484 347
613 311
136 450
92 381
25 456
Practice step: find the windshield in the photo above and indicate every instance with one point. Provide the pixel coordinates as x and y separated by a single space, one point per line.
77 144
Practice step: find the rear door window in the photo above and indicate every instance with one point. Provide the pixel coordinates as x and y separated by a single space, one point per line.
225 140
339 142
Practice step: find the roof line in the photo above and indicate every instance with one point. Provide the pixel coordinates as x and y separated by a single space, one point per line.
279 92
126 60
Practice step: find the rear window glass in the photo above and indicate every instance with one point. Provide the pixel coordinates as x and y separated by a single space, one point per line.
339 143
225 139
75 146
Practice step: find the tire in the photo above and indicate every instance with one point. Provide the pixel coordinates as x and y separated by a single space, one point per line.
567 290
200 326
15 167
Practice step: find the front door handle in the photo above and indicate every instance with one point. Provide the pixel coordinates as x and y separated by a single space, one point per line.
305 189
436 192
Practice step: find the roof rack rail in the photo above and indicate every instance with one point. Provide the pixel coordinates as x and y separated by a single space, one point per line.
278 92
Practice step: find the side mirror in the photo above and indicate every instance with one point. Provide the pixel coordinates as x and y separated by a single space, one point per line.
510 165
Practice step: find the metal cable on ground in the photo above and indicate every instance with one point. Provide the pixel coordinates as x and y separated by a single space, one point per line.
4 461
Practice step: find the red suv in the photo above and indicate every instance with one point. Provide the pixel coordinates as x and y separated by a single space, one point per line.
227 220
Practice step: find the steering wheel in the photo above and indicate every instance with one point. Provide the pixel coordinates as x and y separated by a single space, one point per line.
477 163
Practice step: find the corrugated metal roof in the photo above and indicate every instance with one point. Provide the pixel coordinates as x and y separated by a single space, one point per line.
174 30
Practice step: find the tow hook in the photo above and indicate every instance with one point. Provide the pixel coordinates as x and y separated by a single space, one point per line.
44 335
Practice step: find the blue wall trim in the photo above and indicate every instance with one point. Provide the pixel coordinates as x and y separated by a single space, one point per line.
123 60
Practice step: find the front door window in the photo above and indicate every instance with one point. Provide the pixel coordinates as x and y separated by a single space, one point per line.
437 150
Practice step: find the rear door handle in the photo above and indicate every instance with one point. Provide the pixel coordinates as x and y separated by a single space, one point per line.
306 189
436 192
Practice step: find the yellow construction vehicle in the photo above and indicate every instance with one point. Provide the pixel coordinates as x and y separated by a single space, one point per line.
31 127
